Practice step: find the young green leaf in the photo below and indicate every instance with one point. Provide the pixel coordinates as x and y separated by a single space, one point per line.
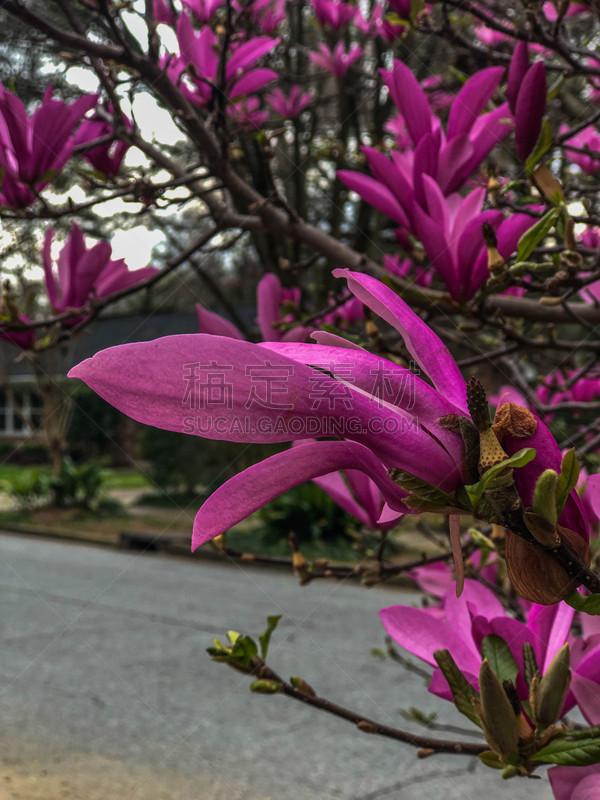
462 691
265 636
542 146
588 605
531 238
497 652
568 753
567 480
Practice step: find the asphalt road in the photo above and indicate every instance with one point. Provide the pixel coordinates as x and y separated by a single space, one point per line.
107 692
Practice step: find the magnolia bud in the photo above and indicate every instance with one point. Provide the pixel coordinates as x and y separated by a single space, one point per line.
533 572
548 693
265 687
544 496
498 716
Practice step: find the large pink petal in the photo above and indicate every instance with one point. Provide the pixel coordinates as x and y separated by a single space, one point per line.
421 633
519 64
550 626
529 110
427 349
231 390
411 101
472 99
254 487
375 194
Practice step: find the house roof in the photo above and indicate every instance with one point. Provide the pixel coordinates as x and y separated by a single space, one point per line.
103 333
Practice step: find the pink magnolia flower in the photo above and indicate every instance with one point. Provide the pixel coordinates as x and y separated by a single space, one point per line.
450 230
83 272
526 95
201 52
275 305
163 13
23 339
406 268
248 114
107 157
226 389
589 140
267 14
551 13
437 579
337 62
333 13
575 783
460 624
449 158
488 36
376 23
34 149
203 10
291 105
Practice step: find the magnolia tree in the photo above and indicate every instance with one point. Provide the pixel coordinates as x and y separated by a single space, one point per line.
416 186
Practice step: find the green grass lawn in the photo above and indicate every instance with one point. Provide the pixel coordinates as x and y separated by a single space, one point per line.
113 478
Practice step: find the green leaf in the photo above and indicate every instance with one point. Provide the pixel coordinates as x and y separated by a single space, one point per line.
462 692
542 146
567 480
519 459
244 650
569 753
265 636
497 652
534 235
530 666
491 759
423 491
588 605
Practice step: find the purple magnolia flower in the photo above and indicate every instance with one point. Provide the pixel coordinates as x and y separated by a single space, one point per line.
376 23
333 13
275 305
203 10
83 272
275 396
34 149
575 783
417 188
291 105
24 339
437 579
267 14
338 61
200 52
163 12
588 140
107 157
384 415
526 95
460 624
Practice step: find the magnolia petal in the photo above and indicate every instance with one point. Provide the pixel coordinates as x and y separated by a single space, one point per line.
375 194
209 322
430 353
472 99
254 487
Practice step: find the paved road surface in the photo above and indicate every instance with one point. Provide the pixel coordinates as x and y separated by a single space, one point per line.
107 693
